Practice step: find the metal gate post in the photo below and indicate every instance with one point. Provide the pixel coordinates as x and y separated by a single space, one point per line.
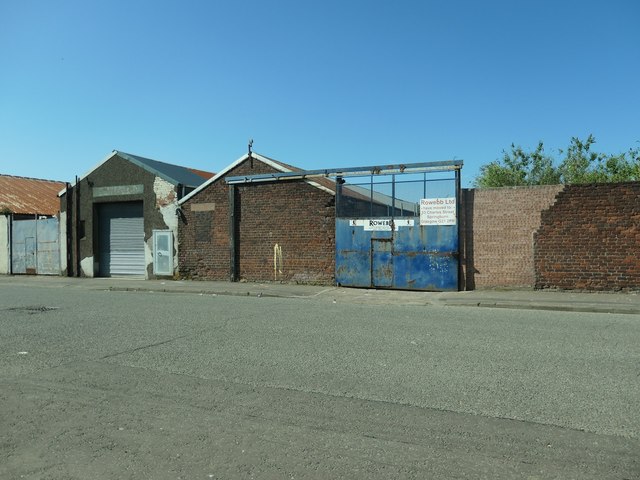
10 218
338 203
459 226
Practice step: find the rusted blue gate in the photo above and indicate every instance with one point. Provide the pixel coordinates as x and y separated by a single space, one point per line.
399 228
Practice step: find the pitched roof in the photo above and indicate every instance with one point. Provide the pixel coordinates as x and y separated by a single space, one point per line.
325 184
30 196
175 174
172 173
202 173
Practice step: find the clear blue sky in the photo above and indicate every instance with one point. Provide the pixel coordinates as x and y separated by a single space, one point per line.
318 84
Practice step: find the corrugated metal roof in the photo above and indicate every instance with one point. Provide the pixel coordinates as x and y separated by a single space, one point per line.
29 196
172 173
325 184
202 173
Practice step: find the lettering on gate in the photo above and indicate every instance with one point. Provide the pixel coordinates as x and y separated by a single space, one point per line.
382 224
438 211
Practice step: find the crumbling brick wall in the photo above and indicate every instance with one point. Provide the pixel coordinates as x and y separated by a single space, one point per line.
285 231
497 234
590 239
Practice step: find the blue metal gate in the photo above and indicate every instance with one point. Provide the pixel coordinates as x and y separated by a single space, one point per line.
399 231
412 258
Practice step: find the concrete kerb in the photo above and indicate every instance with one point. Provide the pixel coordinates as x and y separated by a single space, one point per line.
620 303
568 301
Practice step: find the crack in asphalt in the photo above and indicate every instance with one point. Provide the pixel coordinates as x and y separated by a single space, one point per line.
143 347
31 309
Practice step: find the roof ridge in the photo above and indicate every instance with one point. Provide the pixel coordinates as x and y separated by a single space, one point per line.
289 166
172 172
147 158
160 161
31 178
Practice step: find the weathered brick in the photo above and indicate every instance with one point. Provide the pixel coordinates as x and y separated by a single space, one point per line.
297 217
589 239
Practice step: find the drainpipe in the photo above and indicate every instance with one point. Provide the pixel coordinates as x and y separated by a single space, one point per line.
69 229
76 191
233 271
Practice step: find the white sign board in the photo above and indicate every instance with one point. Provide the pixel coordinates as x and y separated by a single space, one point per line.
438 211
382 224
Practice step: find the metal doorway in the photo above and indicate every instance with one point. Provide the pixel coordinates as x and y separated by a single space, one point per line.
398 227
35 246
121 239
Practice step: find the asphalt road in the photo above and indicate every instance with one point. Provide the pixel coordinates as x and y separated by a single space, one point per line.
103 384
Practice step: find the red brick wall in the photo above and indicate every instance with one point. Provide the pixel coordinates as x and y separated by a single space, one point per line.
587 236
296 216
497 234
589 239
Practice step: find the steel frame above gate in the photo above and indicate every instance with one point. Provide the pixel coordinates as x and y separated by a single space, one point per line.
384 239
446 165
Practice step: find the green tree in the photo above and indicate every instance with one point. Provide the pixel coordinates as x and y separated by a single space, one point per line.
583 165
580 164
519 168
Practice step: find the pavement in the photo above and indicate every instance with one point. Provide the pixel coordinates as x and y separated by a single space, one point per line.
556 300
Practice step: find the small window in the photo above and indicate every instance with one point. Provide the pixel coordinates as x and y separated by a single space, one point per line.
203 226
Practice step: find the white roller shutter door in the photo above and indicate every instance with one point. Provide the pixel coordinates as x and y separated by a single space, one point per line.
122 239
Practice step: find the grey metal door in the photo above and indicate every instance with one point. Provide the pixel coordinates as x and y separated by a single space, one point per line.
121 237
35 246
48 246
30 255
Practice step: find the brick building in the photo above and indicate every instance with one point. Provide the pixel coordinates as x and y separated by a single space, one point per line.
262 220
120 218
281 231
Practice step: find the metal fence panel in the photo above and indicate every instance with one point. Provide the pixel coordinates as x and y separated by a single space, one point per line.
380 241
48 247
35 246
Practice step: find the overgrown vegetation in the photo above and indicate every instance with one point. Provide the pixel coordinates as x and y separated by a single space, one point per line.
579 163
